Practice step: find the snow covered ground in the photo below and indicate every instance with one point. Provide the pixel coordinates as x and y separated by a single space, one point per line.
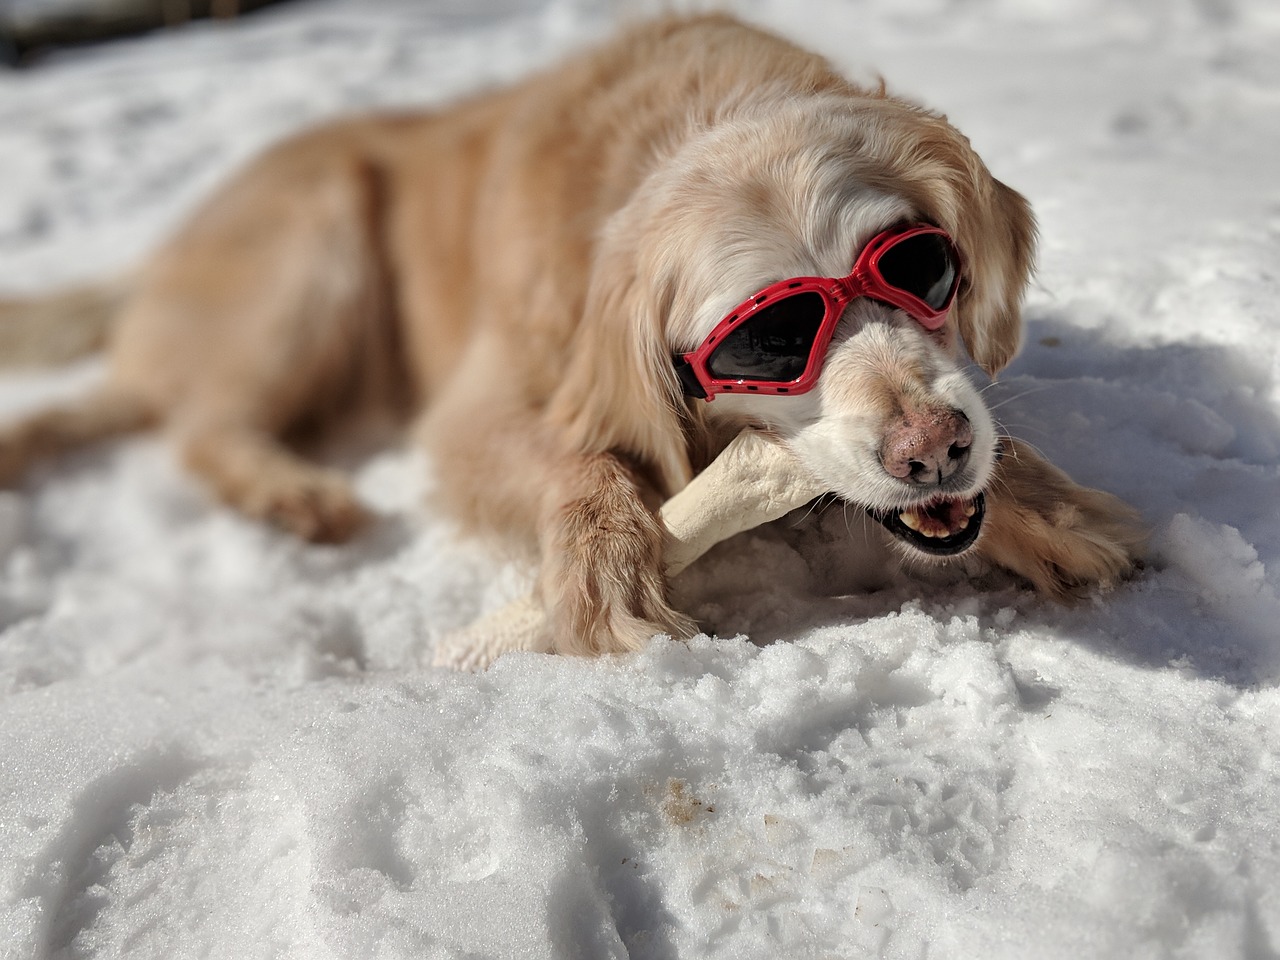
218 742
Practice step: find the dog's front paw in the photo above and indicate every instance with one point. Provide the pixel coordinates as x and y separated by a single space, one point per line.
601 581
1061 536
520 625
608 604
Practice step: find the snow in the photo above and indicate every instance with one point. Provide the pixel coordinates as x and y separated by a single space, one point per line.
218 742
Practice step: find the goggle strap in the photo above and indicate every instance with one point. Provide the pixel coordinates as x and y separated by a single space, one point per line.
688 379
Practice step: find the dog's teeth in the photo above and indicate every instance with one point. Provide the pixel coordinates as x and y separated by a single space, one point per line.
909 520
970 510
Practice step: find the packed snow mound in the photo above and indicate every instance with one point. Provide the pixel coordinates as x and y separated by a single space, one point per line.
217 741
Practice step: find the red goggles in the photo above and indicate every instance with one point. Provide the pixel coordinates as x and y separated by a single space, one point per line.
775 342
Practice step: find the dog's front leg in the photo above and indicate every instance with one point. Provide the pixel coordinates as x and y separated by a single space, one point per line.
1061 536
601 580
754 480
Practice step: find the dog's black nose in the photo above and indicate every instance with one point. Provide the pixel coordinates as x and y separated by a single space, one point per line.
927 446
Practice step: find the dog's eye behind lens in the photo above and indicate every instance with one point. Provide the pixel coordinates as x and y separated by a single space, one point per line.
922 266
774 344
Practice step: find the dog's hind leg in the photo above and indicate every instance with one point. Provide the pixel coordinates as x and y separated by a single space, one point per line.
267 318
254 472
99 416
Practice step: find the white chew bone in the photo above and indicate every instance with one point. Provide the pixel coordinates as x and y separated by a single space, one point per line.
754 480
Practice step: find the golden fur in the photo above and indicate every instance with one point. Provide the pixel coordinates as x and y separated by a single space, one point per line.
514 273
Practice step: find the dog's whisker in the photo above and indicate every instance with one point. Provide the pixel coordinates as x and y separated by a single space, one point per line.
1030 391
818 504
848 526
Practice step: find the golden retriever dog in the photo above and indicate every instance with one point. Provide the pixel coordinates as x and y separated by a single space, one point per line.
577 291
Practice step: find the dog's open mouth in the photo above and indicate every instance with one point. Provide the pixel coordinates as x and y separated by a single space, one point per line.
943 527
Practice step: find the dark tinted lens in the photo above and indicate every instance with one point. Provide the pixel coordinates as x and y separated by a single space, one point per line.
923 266
774 344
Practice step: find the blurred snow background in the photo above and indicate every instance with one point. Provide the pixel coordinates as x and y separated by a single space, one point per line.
218 742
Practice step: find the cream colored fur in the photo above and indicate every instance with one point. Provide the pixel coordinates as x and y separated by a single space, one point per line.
513 274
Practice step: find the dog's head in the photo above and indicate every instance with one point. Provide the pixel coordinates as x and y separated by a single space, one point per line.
797 188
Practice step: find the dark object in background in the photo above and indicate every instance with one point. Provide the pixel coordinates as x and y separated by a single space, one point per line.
30 27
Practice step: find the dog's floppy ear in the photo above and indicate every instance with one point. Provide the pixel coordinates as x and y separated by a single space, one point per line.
620 393
919 154
997 238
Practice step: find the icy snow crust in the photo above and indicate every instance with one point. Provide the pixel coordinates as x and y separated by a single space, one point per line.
218 742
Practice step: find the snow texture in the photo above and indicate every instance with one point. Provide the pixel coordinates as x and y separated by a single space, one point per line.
218 742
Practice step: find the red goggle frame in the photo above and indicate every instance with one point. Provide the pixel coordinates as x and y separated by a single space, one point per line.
776 341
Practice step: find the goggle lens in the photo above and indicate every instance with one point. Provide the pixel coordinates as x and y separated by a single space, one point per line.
922 266
773 344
